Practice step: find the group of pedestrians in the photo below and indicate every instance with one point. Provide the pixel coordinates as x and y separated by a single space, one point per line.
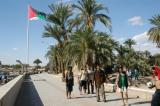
86 81
133 74
90 80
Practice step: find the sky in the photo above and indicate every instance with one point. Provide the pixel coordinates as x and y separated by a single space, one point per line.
129 20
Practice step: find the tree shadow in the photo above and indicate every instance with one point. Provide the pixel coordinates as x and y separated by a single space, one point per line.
83 97
138 103
28 95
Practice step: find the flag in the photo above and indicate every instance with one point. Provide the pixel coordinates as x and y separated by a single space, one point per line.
35 15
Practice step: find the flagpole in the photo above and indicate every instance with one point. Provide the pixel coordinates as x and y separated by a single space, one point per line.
28 38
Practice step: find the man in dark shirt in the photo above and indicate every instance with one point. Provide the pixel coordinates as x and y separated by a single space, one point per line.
99 81
156 97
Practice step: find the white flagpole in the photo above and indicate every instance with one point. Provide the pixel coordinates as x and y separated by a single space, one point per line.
28 37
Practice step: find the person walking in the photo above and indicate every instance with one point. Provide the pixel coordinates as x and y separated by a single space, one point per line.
99 83
90 82
156 72
83 80
132 74
122 84
136 73
156 97
129 73
69 82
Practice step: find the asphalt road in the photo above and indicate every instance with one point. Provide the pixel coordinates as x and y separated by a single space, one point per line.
48 90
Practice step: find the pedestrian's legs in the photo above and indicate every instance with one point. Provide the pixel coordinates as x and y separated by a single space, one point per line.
66 93
126 97
92 87
136 77
84 86
80 87
88 86
69 94
97 94
103 93
122 97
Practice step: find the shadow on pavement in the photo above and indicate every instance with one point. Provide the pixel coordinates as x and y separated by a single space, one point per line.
81 97
137 103
118 99
28 95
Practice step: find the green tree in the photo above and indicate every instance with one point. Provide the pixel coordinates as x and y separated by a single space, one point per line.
54 57
79 48
90 12
37 62
155 59
121 57
17 66
129 43
59 29
154 32
130 54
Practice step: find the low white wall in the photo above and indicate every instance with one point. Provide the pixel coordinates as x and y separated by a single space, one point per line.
9 91
142 93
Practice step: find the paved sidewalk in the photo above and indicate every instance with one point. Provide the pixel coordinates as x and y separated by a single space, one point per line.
28 95
51 92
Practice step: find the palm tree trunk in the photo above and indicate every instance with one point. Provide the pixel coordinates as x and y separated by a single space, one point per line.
63 71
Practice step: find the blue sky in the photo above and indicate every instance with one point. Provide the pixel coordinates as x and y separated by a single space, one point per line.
129 20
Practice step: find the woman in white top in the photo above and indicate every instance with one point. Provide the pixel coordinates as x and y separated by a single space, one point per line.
83 80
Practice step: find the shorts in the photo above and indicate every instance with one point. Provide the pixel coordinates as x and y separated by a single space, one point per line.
69 88
83 84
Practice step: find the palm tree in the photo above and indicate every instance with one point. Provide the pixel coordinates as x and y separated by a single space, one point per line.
121 58
53 57
154 32
129 43
91 48
54 32
129 56
59 29
60 16
155 59
37 62
90 13
104 47
112 45
79 48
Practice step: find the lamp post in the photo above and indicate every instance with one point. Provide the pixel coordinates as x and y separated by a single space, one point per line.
0 64
22 65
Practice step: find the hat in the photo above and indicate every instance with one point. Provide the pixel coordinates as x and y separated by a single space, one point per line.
158 84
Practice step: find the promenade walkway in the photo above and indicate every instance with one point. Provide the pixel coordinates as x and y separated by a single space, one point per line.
48 90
